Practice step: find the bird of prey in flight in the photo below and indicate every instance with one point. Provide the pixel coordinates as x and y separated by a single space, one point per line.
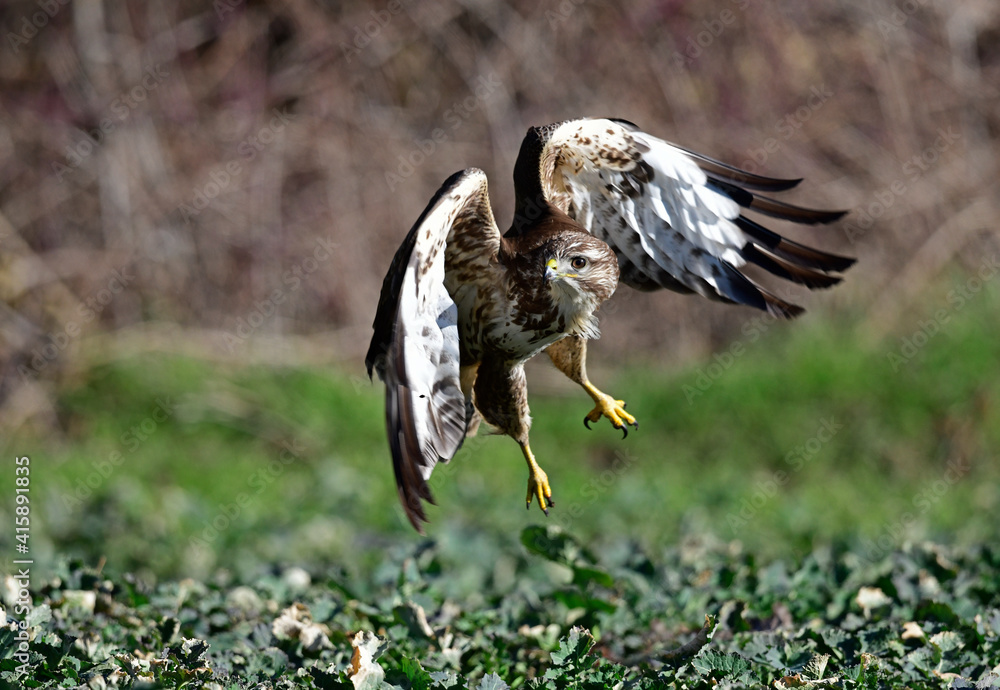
598 202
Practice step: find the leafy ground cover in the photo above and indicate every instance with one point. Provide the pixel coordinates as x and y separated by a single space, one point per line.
555 616
830 502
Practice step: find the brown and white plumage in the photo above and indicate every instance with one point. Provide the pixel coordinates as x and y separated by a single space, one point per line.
673 217
415 348
463 308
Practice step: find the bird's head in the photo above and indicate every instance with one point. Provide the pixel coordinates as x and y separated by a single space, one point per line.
581 272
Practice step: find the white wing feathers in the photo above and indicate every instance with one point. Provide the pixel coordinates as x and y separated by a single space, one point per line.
685 201
425 406
668 215
427 367
673 216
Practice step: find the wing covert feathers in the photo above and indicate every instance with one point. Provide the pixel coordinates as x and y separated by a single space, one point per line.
415 348
674 217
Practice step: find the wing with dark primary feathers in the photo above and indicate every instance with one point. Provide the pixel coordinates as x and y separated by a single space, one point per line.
673 217
415 348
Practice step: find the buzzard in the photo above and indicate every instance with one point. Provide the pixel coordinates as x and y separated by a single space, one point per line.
598 202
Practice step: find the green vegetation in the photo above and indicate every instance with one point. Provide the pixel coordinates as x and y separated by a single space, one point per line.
766 487
549 616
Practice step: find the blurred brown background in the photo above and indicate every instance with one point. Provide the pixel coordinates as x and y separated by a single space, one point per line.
230 179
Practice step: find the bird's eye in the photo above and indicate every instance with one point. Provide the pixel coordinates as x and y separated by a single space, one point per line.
578 262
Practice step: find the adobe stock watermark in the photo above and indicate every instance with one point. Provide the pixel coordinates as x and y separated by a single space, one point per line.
222 177
455 116
861 220
364 34
593 490
291 282
897 18
130 440
31 25
563 12
224 7
894 533
88 310
118 112
956 299
766 489
722 362
696 45
786 127
256 484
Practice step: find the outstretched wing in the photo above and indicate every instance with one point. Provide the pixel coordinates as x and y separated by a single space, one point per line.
415 348
674 217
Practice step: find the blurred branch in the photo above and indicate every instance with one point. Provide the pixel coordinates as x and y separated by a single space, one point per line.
937 251
339 347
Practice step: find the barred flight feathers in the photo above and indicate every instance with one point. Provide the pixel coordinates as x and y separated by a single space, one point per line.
674 217
416 345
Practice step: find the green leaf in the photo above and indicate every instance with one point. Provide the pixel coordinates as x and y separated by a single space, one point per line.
330 678
573 599
416 676
573 648
584 575
937 611
492 682
444 679
39 615
7 643
722 665
816 668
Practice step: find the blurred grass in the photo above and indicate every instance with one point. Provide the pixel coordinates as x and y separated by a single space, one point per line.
256 466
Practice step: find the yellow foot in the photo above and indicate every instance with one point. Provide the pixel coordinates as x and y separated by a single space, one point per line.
538 483
610 408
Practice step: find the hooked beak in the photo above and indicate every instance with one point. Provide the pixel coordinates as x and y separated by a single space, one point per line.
550 271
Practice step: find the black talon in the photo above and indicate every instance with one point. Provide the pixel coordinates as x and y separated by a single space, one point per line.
586 422
624 431
551 502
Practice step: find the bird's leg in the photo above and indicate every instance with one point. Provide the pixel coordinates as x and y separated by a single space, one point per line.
538 482
608 407
570 355
501 395
467 379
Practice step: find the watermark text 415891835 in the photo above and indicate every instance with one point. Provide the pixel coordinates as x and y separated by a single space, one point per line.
22 562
